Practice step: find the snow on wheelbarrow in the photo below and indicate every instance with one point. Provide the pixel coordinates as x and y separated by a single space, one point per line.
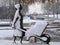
37 31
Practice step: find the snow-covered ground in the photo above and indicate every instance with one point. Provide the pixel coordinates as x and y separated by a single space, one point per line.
10 42
9 33
6 33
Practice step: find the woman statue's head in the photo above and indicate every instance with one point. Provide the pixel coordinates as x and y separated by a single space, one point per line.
17 6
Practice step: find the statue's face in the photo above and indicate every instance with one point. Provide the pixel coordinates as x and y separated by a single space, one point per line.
17 6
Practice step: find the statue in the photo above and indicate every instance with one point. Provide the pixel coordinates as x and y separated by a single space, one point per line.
18 22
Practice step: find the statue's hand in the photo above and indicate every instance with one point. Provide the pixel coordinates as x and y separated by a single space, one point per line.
13 26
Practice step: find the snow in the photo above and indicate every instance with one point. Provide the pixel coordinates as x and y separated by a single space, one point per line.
10 42
37 29
29 21
5 28
4 22
6 33
54 43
